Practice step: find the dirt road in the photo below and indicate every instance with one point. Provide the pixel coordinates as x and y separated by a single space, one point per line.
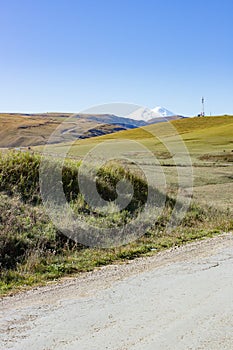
179 299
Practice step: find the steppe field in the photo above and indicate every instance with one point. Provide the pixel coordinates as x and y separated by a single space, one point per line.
33 251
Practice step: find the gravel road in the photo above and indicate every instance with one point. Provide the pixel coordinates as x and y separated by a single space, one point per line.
178 299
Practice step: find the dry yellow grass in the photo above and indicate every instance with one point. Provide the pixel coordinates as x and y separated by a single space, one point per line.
20 130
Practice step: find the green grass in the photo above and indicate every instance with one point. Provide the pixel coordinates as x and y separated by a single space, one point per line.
200 135
33 251
209 143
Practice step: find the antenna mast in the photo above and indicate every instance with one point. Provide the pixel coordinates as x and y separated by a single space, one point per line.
203 106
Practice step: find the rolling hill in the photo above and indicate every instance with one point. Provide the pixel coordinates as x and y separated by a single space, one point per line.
26 228
24 130
201 135
209 142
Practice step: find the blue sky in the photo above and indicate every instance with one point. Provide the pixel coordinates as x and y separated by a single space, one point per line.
68 55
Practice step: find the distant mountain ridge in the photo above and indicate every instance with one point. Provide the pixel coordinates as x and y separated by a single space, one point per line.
24 130
128 123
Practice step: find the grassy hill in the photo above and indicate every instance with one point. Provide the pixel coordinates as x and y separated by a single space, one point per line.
33 251
24 130
200 135
209 141
19 130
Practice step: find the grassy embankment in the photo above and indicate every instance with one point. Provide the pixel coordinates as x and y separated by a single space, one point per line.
209 142
33 251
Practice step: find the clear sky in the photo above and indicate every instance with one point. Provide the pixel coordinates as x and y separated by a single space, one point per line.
67 55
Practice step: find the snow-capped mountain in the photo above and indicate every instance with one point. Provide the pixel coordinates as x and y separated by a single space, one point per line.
162 112
147 114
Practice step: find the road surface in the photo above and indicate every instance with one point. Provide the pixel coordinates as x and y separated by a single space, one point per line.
178 299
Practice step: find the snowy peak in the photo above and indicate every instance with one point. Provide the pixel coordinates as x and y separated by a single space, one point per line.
146 114
162 112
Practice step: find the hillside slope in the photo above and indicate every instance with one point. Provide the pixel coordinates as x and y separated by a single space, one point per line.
32 248
201 135
23 130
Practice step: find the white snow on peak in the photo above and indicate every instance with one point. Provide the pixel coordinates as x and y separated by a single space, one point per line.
146 114
162 112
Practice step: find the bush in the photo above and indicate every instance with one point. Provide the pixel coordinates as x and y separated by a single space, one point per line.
19 175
